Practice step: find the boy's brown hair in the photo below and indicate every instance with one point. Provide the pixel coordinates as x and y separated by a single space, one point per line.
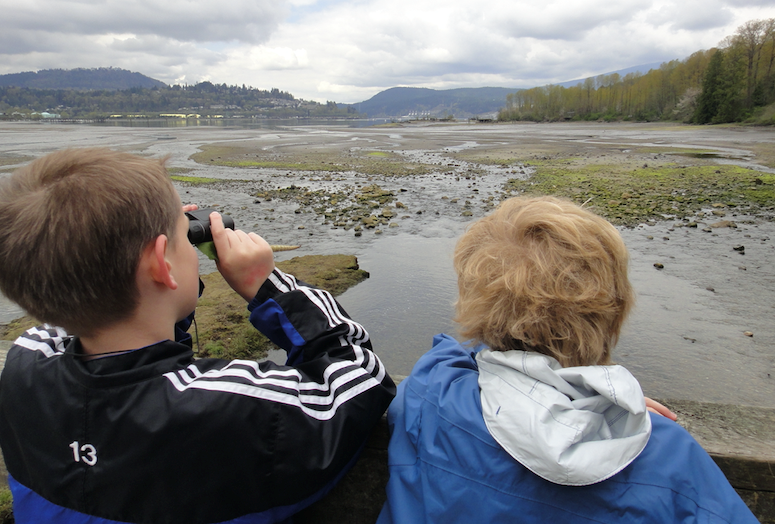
545 275
72 227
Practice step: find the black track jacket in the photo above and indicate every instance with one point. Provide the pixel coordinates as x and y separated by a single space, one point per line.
154 436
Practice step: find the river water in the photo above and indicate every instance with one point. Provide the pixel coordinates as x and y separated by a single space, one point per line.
685 339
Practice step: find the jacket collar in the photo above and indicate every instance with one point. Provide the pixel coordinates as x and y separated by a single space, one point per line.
125 368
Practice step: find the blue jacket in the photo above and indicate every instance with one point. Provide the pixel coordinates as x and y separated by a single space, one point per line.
446 467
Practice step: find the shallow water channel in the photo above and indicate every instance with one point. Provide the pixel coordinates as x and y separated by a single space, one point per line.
684 340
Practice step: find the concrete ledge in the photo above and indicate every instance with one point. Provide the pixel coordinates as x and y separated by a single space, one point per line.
740 439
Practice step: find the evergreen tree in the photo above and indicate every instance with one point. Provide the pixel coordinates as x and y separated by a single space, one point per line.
709 100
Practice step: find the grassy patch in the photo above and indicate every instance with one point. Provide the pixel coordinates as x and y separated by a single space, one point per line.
16 327
246 155
222 316
6 506
196 180
626 195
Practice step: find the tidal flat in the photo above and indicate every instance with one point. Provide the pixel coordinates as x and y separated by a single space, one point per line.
685 198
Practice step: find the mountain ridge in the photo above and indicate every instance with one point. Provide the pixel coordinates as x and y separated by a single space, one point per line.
466 102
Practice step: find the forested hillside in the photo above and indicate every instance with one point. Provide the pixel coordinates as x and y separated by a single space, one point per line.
80 78
731 83
205 99
462 103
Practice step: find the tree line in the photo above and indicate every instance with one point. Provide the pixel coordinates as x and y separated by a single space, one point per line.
205 98
730 83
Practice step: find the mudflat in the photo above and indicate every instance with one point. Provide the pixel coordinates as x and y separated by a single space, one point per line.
694 205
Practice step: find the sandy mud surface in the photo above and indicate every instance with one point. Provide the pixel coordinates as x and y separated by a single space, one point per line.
397 197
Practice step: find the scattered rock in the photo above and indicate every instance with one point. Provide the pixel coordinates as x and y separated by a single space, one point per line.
748 333
739 248
659 265
723 223
710 289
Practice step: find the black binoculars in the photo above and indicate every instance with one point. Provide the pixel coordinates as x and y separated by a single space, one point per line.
199 225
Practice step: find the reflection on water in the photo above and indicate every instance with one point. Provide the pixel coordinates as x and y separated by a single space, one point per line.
407 299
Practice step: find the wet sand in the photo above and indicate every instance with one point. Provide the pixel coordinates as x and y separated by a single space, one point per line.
686 337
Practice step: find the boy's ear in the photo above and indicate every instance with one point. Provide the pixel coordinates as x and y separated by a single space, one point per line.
160 268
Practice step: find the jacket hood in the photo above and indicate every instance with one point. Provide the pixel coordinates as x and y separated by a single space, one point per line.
573 426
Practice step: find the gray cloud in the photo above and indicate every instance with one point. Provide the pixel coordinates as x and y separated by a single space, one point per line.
202 21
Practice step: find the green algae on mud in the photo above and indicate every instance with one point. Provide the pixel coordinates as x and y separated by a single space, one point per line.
331 160
222 326
631 184
629 196
197 180
178 174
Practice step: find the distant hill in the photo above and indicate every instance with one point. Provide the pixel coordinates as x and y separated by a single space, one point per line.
109 78
643 69
462 103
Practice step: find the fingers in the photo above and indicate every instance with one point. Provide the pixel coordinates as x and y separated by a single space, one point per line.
220 237
660 409
190 207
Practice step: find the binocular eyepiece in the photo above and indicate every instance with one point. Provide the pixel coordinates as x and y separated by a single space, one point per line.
199 225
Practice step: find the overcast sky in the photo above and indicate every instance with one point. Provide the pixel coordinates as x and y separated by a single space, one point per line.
349 50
